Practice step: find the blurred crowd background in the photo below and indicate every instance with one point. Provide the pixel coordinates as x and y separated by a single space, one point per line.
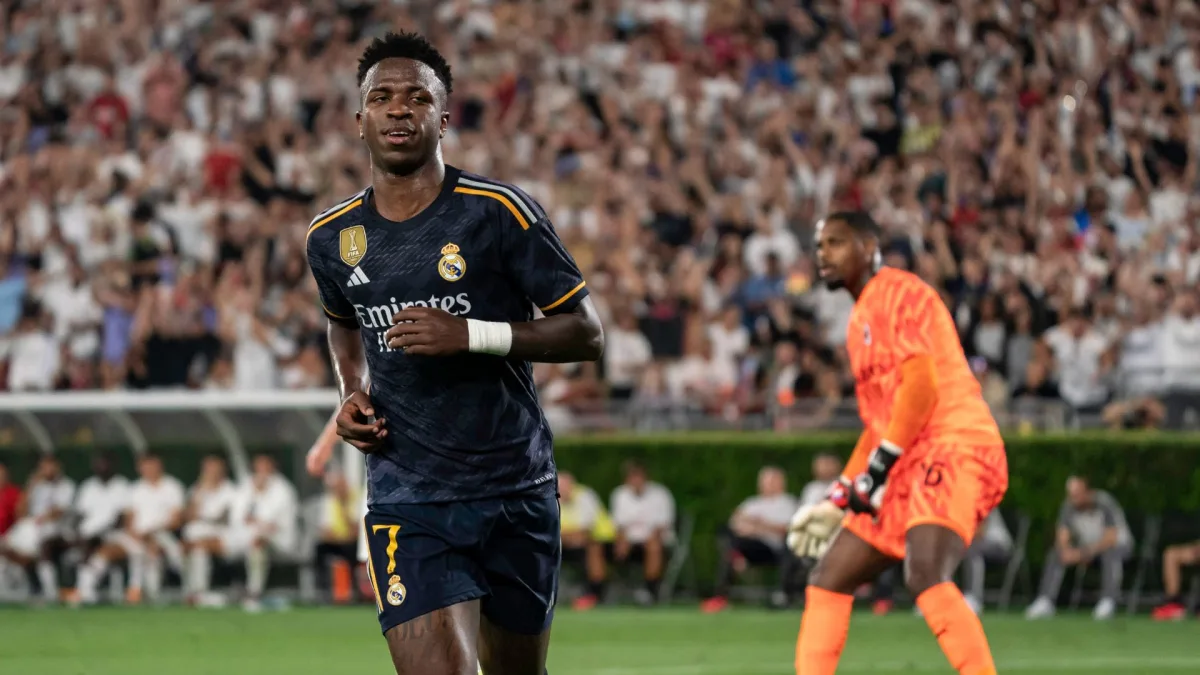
1036 161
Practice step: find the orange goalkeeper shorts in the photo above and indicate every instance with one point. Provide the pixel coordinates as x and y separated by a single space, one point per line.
941 484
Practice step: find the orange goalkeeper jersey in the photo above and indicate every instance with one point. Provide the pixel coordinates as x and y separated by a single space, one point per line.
897 317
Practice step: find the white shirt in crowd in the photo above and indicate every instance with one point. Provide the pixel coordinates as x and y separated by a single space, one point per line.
48 496
33 361
152 506
100 504
775 510
627 355
1078 361
214 504
270 511
637 516
1180 344
1141 361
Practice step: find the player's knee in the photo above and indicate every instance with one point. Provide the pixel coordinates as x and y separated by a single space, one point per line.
923 573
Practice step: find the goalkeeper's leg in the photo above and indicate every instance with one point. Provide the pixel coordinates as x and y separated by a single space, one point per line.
933 553
849 563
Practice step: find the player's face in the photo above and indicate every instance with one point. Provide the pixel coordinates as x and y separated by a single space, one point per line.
151 469
842 258
403 114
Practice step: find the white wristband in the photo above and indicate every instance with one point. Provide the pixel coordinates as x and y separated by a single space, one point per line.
489 337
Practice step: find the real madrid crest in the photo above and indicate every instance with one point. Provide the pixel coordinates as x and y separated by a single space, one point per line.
452 267
352 244
396 591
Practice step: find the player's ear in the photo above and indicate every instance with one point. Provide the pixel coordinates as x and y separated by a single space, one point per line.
358 119
445 124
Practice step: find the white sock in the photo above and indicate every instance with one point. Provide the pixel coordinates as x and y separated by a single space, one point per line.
48 578
172 552
89 575
154 575
257 566
137 571
199 572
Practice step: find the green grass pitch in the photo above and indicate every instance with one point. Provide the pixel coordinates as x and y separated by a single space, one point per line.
176 641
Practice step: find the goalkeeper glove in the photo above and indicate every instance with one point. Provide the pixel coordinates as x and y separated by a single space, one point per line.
867 489
813 526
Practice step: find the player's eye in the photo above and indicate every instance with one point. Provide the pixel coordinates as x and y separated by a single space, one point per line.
378 97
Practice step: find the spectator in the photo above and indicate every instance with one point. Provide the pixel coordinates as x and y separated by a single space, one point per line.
1091 529
755 535
209 507
644 514
36 538
102 499
627 354
1181 341
155 511
337 542
264 524
1078 351
1174 559
587 530
993 544
826 468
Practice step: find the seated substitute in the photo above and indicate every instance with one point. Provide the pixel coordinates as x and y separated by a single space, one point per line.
263 524
993 544
755 535
209 508
37 538
587 530
1091 528
99 504
154 511
644 514
826 469
337 539
1174 559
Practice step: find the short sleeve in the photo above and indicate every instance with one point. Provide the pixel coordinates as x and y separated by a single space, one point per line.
912 308
1111 511
541 267
1064 515
337 307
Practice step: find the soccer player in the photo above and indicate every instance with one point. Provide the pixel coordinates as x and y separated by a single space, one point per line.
430 277
927 470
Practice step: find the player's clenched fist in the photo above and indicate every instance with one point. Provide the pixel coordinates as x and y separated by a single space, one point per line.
355 426
424 331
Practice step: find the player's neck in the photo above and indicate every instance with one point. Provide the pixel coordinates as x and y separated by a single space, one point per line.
856 289
401 196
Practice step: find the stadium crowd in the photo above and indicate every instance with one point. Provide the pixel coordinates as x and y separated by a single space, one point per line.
1035 161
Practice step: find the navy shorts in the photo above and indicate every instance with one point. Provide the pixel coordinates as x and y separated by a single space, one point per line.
423 557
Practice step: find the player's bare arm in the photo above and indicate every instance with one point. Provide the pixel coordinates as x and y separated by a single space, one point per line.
563 338
350 369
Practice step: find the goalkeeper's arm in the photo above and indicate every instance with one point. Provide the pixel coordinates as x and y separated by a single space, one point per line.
814 525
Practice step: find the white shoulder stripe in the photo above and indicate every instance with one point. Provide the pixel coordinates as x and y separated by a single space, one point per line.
517 199
358 195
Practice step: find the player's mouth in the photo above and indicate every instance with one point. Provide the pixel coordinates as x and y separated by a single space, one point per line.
825 271
399 136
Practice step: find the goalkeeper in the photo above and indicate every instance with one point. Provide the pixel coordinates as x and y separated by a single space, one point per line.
927 470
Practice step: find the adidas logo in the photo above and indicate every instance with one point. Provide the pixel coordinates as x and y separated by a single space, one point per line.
358 278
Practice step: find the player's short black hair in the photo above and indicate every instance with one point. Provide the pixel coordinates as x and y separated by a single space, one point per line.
405 45
859 221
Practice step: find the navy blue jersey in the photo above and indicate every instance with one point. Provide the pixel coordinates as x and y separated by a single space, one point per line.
461 427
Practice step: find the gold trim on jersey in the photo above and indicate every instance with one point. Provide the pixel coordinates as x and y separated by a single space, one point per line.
333 216
564 298
500 198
